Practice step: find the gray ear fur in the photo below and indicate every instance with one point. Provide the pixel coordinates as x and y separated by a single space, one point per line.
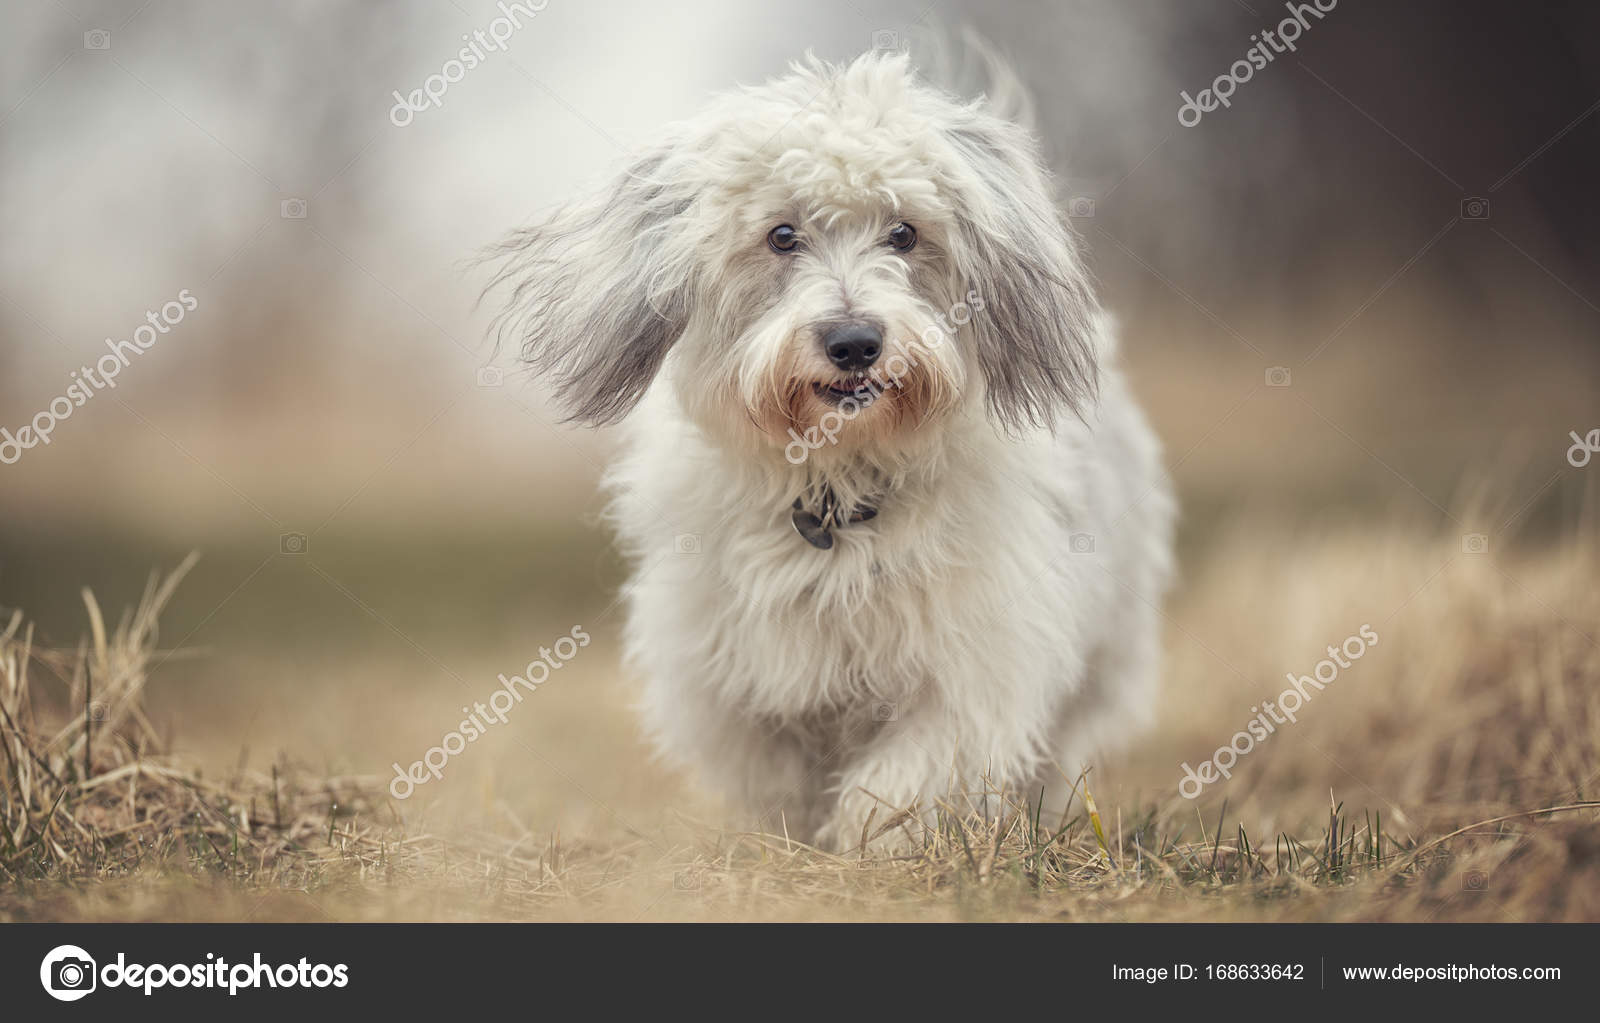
1035 335
599 292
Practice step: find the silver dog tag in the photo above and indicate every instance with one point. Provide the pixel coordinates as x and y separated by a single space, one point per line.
811 529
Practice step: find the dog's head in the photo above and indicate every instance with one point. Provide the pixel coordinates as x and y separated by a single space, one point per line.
845 246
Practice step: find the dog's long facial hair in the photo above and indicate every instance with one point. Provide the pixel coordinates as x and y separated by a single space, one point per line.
834 270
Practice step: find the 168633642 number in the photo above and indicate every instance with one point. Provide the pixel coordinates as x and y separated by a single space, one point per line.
1255 971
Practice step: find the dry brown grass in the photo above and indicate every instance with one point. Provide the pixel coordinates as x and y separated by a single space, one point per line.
1466 744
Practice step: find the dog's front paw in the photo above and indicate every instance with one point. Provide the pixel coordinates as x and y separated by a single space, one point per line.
862 823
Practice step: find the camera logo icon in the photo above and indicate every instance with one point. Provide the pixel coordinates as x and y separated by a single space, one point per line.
1474 881
1474 543
885 710
97 39
686 543
292 543
1080 206
686 880
67 973
1081 543
1278 376
1474 208
885 39
292 209
491 376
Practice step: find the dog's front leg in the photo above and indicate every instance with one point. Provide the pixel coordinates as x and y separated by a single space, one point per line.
765 770
896 777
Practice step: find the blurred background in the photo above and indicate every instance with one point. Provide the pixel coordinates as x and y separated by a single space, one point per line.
1363 293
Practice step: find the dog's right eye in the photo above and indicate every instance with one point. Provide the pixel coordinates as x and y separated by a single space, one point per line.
783 238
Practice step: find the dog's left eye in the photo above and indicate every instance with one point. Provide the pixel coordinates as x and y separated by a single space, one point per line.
902 237
783 238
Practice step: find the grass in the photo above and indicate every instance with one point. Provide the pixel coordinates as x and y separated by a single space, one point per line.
1466 748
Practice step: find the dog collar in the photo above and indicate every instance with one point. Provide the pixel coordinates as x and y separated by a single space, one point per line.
816 527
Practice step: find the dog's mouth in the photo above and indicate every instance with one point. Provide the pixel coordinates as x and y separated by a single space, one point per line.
856 386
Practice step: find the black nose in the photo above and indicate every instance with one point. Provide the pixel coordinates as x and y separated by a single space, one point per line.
852 346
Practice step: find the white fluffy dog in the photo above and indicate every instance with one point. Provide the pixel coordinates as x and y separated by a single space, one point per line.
899 532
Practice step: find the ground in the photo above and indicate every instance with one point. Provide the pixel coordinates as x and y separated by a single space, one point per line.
1448 774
